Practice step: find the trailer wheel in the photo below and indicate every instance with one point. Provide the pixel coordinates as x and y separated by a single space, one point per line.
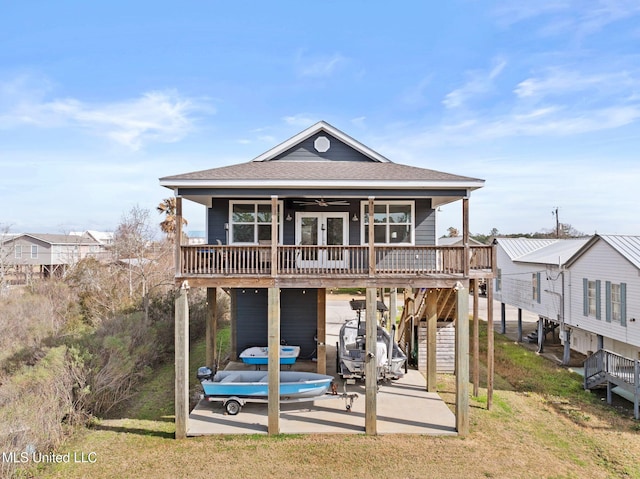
233 407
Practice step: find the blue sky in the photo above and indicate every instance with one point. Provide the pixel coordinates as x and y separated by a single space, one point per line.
541 99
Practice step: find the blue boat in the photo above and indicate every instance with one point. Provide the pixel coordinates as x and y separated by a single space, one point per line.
255 384
260 355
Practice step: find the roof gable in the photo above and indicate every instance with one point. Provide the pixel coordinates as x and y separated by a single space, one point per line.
627 246
320 142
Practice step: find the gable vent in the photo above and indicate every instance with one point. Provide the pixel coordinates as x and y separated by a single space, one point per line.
322 144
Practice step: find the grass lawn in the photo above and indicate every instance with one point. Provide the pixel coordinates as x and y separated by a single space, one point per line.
542 425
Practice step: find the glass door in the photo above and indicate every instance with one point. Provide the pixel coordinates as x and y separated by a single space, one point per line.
319 230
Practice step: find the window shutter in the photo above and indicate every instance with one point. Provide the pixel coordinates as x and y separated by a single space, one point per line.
623 304
539 288
585 296
607 295
598 301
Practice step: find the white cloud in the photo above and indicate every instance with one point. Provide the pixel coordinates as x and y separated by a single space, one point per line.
575 17
359 121
480 82
157 116
302 120
319 67
559 81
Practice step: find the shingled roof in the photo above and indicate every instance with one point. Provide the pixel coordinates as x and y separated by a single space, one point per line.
319 170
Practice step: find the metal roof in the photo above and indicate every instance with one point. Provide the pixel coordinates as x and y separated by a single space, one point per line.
556 253
517 247
627 246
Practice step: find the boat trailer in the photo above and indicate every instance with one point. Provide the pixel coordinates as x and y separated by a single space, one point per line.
233 404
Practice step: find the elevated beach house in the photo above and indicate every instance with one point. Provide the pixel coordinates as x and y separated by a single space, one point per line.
320 210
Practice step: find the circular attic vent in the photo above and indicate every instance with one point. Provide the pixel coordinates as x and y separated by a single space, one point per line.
322 144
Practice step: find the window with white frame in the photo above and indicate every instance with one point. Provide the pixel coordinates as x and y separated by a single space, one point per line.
616 303
392 222
250 221
591 298
34 251
18 251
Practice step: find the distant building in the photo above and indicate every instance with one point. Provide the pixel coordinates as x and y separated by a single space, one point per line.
44 254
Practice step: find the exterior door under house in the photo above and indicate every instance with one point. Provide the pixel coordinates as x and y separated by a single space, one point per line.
318 211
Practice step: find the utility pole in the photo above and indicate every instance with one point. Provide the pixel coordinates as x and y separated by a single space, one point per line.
555 213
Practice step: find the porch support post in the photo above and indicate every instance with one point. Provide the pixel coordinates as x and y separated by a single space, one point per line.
462 360
490 348
372 253
370 368
465 236
182 362
211 327
274 361
233 320
274 236
503 321
476 339
540 335
432 332
519 325
178 239
566 352
321 332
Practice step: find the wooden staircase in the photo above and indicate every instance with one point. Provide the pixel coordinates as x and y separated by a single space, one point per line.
610 369
446 310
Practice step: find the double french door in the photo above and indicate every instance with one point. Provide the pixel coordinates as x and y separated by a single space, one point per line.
323 233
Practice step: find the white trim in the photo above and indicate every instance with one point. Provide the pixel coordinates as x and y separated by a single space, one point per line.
254 202
349 183
312 130
363 226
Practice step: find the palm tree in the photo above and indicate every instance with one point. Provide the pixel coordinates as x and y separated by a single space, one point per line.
168 208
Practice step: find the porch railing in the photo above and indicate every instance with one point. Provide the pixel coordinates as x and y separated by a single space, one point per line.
215 260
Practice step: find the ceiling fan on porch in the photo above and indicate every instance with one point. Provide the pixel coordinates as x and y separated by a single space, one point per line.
323 202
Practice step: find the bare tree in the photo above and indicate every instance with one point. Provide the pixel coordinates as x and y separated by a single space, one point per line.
148 261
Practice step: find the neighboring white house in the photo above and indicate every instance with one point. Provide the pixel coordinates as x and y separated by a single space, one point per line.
590 287
529 274
603 296
105 238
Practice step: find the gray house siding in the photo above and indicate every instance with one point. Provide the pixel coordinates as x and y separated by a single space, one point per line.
217 217
305 151
298 318
425 223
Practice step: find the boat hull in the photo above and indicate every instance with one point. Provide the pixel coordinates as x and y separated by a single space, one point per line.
255 384
352 353
259 355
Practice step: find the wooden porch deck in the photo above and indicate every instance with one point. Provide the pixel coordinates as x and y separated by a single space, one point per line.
342 264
